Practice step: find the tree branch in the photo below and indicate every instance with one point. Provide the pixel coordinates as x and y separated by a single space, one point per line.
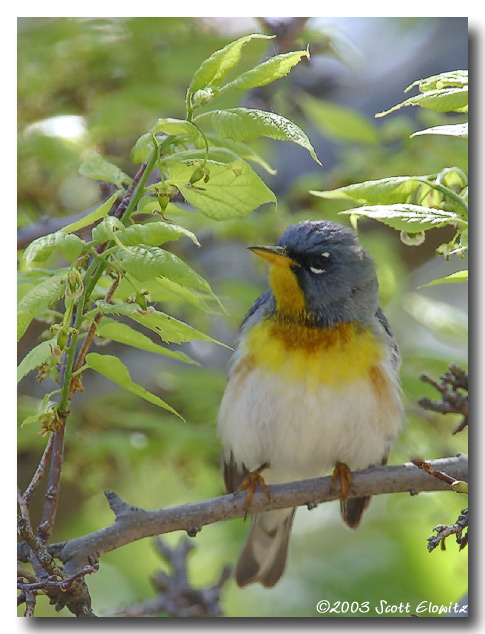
133 523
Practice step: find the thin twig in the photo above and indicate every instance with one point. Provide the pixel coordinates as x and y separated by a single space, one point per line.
445 531
46 526
175 595
426 466
24 499
122 207
39 551
54 581
29 604
452 400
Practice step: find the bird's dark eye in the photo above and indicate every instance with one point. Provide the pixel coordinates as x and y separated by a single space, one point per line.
319 263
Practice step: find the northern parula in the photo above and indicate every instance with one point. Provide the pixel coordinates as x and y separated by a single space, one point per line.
313 382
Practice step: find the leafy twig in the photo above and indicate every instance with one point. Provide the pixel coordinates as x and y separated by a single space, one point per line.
90 336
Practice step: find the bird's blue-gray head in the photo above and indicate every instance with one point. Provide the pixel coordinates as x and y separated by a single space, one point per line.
321 273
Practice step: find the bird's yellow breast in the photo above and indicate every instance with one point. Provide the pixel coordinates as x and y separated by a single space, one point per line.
332 355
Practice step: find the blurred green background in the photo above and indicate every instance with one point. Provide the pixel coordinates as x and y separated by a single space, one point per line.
99 83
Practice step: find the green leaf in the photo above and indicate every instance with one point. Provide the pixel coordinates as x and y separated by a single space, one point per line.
168 328
154 233
45 406
459 129
233 189
267 72
446 100
95 166
107 229
35 357
213 70
195 297
115 370
175 127
459 276
142 148
37 299
409 218
122 333
39 250
241 150
151 263
94 216
455 79
218 154
148 263
392 190
338 122
244 124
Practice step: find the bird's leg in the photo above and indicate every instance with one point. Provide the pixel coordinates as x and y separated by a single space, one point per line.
251 481
343 474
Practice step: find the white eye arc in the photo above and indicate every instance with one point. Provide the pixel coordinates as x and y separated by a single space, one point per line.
320 261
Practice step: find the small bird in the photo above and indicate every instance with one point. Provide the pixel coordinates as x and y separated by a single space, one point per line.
313 383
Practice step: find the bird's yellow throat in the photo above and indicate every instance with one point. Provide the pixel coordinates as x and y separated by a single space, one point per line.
289 297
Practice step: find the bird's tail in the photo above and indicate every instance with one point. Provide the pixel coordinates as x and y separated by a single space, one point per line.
263 557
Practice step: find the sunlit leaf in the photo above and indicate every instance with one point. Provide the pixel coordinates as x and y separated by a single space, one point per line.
115 370
175 127
213 70
241 150
106 229
392 190
459 276
454 78
142 148
446 100
97 167
154 233
39 250
272 69
410 218
122 333
232 190
148 263
244 124
94 216
35 357
37 299
168 328
458 129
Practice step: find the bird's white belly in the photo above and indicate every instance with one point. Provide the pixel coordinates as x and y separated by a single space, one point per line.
302 430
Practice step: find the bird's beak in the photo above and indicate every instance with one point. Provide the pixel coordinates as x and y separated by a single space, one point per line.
274 255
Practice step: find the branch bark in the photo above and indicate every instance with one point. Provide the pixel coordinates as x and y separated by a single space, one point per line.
133 523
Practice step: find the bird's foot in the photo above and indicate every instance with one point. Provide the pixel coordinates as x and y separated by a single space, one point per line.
250 483
343 474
